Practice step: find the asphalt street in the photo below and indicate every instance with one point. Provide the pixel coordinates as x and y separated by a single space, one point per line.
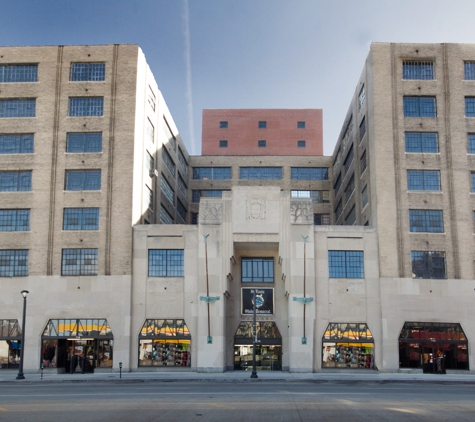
237 401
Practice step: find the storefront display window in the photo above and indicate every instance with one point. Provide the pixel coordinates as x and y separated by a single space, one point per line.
348 345
165 342
10 344
77 345
433 346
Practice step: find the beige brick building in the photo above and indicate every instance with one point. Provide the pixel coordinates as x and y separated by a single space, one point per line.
362 260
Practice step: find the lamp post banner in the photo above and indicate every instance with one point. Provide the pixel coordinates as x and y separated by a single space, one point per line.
264 301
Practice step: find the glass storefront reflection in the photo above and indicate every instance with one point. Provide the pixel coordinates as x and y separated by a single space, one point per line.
348 345
77 345
165 342
10 344
433 346
268 357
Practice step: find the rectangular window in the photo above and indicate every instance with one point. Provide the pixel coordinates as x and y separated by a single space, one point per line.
76 262
169 133
420 107
86 106
87 72
351 217
15 181
166 263
469 70
223 144
196 195
194 218
336 186
149 197
471 143
84 142
257 270
150 162
301 125
211 173
167 189
321 219
262 124
83 180
428 221
18 73
182 160
317 196
428 264
472 175
260 173
165 217
18 107
363 162
423 180
13 263
17 143
361 97
81 219
182 186
470 106
346 264
151 98
181 209
349 159
338 210
422 142
309 173
301 144
14 220
364 197
261 144
223 125
350 188
150 131
362 128
168 161
417 69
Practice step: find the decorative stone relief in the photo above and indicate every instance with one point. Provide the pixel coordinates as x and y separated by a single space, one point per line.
301 212
255 209
211 213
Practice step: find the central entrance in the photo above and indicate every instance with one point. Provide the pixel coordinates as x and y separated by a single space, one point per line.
268 347
77 345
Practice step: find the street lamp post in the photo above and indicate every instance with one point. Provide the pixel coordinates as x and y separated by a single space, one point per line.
20 375
254 338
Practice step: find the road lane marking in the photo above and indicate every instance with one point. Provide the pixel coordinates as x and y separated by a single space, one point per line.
3 409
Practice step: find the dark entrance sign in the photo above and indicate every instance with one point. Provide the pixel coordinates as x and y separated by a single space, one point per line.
264 301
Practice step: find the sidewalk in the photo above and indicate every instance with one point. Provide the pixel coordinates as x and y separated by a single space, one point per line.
7 376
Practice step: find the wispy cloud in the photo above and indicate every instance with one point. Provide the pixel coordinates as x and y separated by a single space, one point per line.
189 90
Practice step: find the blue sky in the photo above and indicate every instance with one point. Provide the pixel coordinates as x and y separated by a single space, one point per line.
244 53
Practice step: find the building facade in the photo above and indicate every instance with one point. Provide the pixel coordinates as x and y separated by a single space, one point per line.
361 260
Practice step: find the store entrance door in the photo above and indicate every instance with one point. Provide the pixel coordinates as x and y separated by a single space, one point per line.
82 356
268 357
433 358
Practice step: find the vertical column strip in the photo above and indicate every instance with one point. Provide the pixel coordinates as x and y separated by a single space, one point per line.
110 164
397 166
450 174
54 162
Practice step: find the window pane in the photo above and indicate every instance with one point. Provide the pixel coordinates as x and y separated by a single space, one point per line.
15 181
165 263
346 264
470 106
86 106
77 262
14 220
84 142
430 221
212 173
419 107
261 173
16 143
257 270
427 264
422 142
87 72
83 180
418 70
18 108
423 180
13 263
309 173
469 68
81 219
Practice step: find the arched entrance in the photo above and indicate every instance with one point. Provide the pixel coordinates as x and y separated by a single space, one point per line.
348 345
77 345
268 346
433 346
